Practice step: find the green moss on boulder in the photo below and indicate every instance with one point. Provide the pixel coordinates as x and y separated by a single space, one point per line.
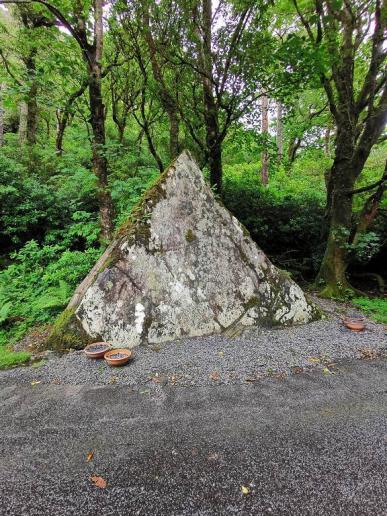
67 332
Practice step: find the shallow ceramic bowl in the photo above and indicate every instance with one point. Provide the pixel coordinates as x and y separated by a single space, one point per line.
97 349
354 323
118 357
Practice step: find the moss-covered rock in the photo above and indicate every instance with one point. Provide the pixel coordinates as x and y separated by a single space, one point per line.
180 266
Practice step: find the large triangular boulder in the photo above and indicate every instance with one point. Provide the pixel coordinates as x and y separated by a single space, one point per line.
182 266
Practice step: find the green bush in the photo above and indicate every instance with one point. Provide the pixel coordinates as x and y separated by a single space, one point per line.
38 284
376 308
285 219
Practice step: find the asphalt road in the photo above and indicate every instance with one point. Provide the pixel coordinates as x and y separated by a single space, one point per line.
305 445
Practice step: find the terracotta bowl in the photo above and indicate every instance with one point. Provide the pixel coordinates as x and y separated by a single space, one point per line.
97 349
354 323
118 357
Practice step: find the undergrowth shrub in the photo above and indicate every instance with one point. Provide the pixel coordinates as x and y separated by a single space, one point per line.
286 218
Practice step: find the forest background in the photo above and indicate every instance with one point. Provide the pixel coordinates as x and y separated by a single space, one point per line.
283 104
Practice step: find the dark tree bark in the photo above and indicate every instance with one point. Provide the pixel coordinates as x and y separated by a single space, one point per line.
32 103
359 119
265 132
294 145
97 121
211 114
2 87
280 130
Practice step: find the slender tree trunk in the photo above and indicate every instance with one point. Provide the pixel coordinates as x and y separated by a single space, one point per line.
63 116
32 104
23 110
1 115
173 133
294 145
97 121
211 116
280 128
265 130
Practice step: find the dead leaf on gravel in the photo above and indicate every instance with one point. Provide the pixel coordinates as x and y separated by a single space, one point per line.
327 371
89 456
313 360
35 382
98 481
296 370
113 379
215 376
56 381
221 353
245 490
213 456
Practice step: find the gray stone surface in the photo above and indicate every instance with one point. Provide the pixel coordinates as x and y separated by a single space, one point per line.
183 266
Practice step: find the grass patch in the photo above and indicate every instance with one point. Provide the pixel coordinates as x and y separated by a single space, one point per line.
375 308
11 359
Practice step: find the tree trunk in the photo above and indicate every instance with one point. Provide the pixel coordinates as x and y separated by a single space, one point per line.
1 115
280 127
173 134
332 273
294 145
63 116
97 121
23 110
340 182
264 130
62 119
32 105
211 117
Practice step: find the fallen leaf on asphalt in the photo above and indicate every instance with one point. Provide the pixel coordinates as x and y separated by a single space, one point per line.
90 456
213 456
98 481
313 360
35 382
221 353
327 371
113 379
215 376
245 490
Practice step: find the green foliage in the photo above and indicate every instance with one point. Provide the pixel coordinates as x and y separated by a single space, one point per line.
11 359
38 284
285 218
376 308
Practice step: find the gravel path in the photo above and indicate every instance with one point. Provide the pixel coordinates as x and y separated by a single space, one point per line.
256 354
